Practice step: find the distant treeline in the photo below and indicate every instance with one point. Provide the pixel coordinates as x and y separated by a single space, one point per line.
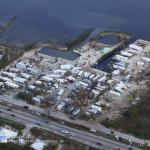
30 46
9 55
80 38
6 24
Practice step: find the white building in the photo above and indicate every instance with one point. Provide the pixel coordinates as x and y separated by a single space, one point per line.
132 51
71 78
146 59
32 71
119 67
6 134
66 67
19 80
32 87
60 92
98 108
36 100
121 58
5 79
38 145
135 47
116 72
21 65
114 94
25 75
60 106
38 82
126 54
47 79
9 74
14 70
12 85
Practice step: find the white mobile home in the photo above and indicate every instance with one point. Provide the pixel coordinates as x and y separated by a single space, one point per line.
12 85
19 80
135 47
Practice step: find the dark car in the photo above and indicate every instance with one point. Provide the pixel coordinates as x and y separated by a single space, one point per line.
12 115
98 143
39 124
46 121
26 107
9 109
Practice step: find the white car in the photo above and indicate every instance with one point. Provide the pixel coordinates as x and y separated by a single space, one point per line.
64 131
117 137
72 134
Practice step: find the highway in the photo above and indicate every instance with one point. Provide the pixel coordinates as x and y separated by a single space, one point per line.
71 133
60 116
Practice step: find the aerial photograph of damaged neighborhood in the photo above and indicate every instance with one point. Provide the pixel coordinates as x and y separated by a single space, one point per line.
74 74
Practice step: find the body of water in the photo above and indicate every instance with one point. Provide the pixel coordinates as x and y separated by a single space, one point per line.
110 40
59 20
69 55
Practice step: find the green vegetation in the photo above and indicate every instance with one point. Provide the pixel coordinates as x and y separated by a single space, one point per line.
72 146
145 147
80 38
73 125
6 24
136 119
9 55
120 35
51 147
66 144
30 46
25 96
56 45
37 132
15 125
40 133
12 146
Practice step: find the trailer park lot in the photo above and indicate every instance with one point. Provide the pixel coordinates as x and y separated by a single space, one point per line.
70 87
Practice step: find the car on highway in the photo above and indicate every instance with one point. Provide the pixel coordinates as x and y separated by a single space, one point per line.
9 105
92 130
12 115
72 134
38 114
9 109
117 137
39 124
64 131
131 142
130 148
98 143
26 107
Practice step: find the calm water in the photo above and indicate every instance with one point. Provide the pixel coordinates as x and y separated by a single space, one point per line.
69 55
111 40
43 20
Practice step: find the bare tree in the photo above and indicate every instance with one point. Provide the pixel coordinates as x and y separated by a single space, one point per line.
81 99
